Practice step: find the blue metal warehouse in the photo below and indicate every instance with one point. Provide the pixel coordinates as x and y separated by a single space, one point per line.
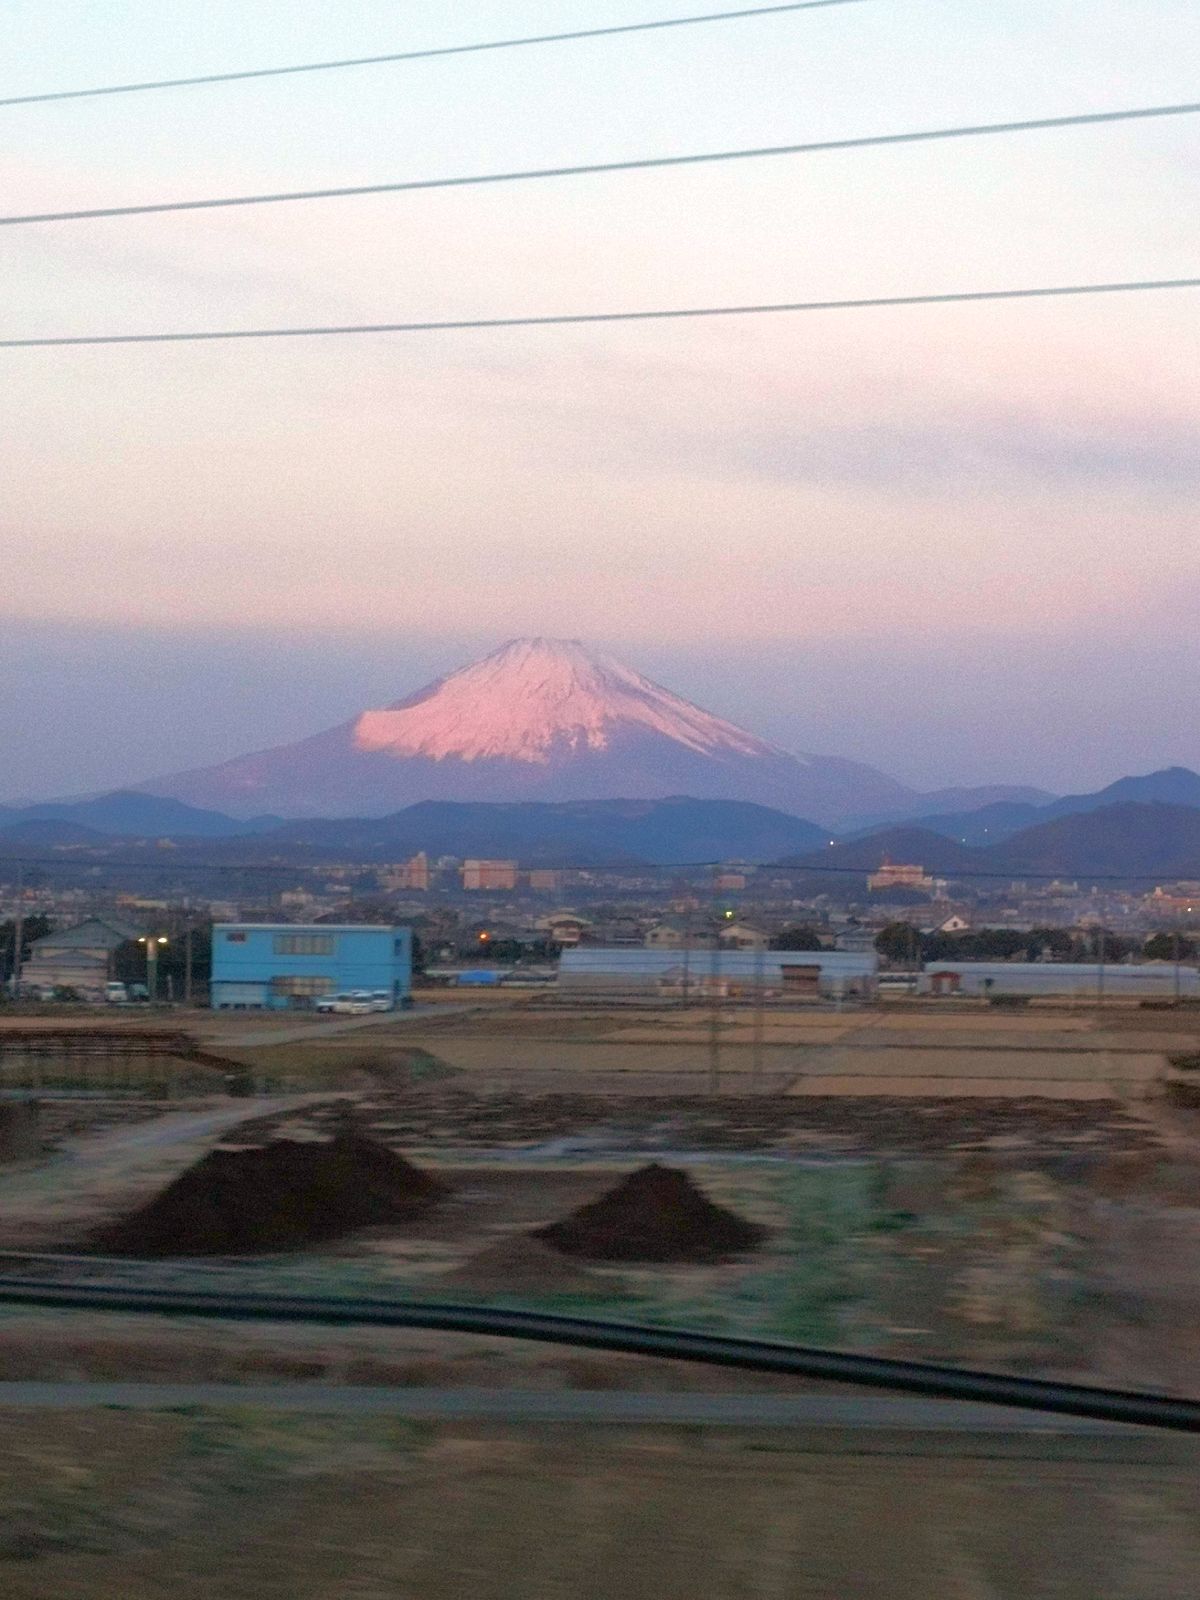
279 966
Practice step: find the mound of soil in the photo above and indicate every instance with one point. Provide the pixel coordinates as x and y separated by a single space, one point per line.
655 1214
520 1265
275 1197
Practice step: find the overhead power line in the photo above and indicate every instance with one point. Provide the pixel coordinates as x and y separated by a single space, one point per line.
343 862
592 169
580 318
741 14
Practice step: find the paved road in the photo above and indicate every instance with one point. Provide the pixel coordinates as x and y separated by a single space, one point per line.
305 1026
182 1127
574 1406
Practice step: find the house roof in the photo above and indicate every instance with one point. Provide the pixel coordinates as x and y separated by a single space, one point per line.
92 931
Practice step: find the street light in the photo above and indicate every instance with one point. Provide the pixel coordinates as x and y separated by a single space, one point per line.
152 945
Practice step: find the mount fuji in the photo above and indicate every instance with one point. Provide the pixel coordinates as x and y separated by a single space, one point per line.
538 719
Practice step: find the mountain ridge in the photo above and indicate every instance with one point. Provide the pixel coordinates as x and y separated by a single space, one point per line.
671 831
993 823
537 720
1132 840
127 813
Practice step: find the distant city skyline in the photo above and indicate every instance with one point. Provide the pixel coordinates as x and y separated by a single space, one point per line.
957 543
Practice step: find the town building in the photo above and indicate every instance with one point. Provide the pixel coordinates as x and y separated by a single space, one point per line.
673 936
1179 900
1083 980
413 874
741 936
489 875
545 880
683 973
79 958
563 927
899 875
954 923
279 966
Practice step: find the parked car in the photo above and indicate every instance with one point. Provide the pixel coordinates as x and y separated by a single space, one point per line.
327 1004
116 994
381 1000
354 1005
350 1005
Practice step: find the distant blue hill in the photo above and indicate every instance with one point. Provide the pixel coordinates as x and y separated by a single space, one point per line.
907 842
1140 840
32 836
993 824
126 814
571 832
1131 838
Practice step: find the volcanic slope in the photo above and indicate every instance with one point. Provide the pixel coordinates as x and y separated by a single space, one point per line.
538 719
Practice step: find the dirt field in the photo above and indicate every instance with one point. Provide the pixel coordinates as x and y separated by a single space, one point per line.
1001 1233
529 1045
259 1506
1007 1204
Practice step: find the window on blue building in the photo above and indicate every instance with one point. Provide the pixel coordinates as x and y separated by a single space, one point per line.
303 944
301 987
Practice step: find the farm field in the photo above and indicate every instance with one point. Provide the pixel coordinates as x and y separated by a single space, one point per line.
1116 1053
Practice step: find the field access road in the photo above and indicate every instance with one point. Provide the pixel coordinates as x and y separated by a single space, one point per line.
873 1413
304 1026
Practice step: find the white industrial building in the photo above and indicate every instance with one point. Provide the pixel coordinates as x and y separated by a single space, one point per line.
1087 980
682 973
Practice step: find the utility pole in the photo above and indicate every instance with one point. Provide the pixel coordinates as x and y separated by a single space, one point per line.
687 953
756 1051
1100 971
152 942
18 935
714 1020
187 953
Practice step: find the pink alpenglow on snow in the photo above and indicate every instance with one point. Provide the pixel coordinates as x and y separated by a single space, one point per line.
538 719
533 696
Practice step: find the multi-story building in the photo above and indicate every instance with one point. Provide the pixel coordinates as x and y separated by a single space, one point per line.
1176 900
900 875
545 880
489 874
413 874
286 966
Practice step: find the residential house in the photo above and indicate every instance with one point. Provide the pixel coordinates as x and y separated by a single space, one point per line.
79 957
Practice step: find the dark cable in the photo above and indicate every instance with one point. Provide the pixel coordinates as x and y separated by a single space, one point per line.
742 13
579 318
642 164
676 1344
76 863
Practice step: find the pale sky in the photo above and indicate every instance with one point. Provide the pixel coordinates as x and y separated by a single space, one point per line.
957 542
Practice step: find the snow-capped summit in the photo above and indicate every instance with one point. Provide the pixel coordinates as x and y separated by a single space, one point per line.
537 719
535 697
